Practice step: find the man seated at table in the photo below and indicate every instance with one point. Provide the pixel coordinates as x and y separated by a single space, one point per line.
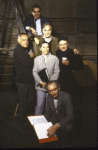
59 112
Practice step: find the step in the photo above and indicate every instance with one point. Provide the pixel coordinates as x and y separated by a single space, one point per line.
7 87
6 78
6 52
6 69
6 61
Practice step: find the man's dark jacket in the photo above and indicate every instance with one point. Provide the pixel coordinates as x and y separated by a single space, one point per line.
23 65
29 21
66 77
64 114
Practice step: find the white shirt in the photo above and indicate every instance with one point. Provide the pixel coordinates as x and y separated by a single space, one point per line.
55 103
45 57
47 39
38 27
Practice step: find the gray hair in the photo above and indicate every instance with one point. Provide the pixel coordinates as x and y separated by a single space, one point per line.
45 24
53 81
19 36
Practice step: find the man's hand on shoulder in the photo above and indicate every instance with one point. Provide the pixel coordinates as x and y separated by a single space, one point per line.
75 51
32 55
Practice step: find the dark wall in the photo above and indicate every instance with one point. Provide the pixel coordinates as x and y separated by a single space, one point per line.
67 16
76 19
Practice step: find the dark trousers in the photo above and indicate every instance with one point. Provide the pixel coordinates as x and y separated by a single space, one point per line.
26 96
65 135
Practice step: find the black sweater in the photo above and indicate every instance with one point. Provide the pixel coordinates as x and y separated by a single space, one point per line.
75 60
66 76
23 65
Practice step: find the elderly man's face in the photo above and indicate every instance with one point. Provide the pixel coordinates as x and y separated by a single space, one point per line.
24 41
36 13
63 45
47 31
53 90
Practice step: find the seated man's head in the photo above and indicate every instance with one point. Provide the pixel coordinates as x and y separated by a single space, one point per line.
23 40
36 11
45 48
47 30
63 43
53 88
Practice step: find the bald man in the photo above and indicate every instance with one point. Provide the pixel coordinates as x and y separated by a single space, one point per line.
24 79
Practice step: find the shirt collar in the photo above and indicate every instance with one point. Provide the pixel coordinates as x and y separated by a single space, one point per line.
46 55
47 39
36 19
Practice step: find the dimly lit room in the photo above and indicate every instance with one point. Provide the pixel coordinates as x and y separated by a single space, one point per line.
72 19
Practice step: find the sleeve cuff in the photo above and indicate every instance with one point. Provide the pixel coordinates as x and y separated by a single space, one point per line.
27 27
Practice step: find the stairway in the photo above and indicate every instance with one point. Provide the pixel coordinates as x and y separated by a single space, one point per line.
12 24
7 70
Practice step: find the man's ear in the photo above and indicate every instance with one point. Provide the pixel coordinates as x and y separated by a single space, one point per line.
40 49
59 87
19 40
42 30
32 13
67 44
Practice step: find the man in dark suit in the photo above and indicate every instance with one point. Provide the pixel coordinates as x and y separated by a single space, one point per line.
59 112
68 63
35 21
24 79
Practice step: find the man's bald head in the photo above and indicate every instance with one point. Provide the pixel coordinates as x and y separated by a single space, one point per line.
23 40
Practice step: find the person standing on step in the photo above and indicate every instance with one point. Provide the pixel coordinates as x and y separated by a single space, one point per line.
24 79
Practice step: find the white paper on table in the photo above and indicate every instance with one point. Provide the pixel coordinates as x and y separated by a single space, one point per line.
41 129
37 119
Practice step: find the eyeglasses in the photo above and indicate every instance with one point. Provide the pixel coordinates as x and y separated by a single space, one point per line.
52 90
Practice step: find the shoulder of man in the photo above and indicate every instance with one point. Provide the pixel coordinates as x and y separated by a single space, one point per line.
30 16
70 50
55 38
17 48
38 57
58 52
49 97
53 56
39 37
43 18
62 93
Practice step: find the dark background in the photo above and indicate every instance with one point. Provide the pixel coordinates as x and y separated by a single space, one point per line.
76 19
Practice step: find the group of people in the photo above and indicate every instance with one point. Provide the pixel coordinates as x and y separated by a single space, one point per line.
50 58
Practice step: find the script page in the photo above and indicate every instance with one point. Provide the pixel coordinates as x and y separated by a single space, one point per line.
41 129
37 119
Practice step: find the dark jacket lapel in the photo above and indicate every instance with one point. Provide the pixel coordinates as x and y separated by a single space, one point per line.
60 99
52 104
